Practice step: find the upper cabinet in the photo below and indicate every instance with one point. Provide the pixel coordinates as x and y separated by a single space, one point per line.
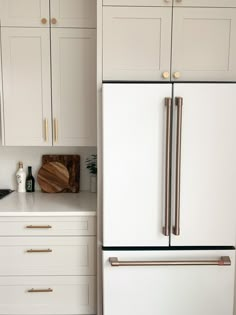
146 3
73 13
205 3
26 86
136 43
74 86
204 44
25 13
161 43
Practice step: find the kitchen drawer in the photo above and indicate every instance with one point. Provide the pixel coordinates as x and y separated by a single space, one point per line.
169 288
69 295
47 226
47 256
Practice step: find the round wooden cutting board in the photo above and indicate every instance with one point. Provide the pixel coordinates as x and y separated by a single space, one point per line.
53 177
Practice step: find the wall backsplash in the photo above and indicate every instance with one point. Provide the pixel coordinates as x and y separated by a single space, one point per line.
32 156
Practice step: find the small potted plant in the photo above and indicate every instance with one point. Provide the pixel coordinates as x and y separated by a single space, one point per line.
91 165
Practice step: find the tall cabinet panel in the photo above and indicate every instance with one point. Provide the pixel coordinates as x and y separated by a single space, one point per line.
73 13
136 43
207 170
204 44
74 86
134 145
26 86
27 13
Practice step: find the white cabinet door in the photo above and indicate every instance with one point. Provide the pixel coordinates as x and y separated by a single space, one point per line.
136 43
205 3
26 86
136 3
73 13
74 87
204 44
63 295
134 117
166 290
208 172
27 13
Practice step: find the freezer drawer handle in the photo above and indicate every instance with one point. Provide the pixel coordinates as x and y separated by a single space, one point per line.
166 228
38 226
223 261
40 290
39 251
179 104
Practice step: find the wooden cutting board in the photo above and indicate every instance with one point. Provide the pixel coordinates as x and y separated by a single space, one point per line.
72 163
53 177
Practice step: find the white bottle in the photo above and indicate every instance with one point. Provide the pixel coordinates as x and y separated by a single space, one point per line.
20 178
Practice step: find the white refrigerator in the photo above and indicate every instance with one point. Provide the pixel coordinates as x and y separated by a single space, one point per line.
169 188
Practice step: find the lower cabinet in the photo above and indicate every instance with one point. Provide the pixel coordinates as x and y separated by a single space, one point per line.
47 295
50 271
168 282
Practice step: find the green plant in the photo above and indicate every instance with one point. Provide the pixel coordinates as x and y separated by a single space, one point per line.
91 164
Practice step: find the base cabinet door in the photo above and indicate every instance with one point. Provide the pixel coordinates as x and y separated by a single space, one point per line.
174 289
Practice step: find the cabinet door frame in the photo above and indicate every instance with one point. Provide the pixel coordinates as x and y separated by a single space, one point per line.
139 3
25 21
83 21
45 138
226 71
60 138
205 3
112 41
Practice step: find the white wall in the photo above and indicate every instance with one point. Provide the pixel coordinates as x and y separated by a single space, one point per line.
32 156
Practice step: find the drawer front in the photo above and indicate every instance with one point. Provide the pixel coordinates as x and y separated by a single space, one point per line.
168 289
47 256
48 226
60 295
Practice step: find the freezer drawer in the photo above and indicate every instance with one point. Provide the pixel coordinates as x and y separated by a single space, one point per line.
170 287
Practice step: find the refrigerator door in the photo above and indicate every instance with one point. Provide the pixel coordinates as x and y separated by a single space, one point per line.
168 289
204 171
134 161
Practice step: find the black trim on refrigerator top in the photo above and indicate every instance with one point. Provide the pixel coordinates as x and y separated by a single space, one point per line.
168 82
146 248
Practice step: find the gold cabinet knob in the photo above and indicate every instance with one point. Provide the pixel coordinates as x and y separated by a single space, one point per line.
54 21
44 21
176 75
165 75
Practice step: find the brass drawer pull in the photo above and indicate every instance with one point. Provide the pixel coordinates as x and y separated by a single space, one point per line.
40 290
39 250
222 261
38 227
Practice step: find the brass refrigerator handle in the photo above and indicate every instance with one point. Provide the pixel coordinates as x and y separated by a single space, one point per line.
39 250
222 261
168 104
38 227
179 104
39 290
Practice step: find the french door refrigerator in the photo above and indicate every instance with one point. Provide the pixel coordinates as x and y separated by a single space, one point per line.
169 198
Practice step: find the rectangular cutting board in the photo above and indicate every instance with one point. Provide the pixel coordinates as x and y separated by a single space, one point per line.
72 162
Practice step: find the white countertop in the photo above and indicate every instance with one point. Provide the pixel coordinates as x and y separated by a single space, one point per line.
38 203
